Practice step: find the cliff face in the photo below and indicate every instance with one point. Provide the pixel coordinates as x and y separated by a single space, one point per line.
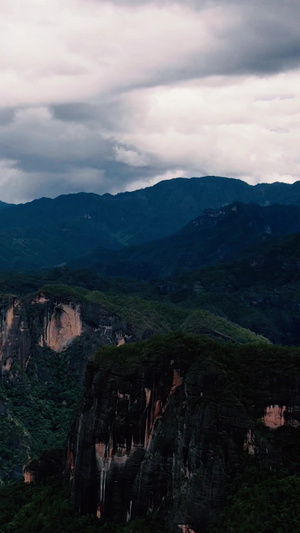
61 327
164 435
153 444
45 342
14 335
26 328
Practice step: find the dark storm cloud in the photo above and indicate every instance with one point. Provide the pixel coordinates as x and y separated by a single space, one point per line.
162 86
264 40
267 40
52 153
75 112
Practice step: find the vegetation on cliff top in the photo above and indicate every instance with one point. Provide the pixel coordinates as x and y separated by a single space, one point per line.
149 315
246 369
37 411
36 416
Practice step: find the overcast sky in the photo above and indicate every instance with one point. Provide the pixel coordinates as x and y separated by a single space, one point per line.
106 96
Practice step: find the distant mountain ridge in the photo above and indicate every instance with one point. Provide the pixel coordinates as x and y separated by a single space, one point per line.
46 232
219 235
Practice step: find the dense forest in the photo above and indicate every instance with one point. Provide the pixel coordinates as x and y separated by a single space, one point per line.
150 376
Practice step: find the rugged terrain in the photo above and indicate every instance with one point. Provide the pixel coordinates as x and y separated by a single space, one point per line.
45 232
45 342
46 338
217 236
165 425
156 399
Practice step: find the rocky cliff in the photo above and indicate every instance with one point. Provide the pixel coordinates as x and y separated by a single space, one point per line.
45 342
46 339
165 424
54 322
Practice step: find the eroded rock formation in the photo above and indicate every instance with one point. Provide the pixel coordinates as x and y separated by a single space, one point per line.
44 322
15 340
62 327
165 435
155 442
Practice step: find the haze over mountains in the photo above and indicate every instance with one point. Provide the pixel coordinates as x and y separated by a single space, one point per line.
46 232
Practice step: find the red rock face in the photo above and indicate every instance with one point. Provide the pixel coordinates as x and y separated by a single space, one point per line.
55 323
274 416
249 443
50 463
185 528
154 437
18 327
62 327
14 337
29 477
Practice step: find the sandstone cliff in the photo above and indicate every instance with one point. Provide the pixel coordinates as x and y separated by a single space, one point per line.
45 342
164 424
54 322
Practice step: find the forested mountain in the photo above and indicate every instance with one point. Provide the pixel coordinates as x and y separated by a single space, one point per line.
217 236
45 232
154 392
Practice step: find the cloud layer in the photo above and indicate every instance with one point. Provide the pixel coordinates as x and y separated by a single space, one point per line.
110 96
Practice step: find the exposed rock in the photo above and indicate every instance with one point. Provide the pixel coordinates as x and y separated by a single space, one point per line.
56 323
15 341
164 436
62 327
49 464
276 416
139 450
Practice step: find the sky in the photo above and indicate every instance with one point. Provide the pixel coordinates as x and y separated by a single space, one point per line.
107 96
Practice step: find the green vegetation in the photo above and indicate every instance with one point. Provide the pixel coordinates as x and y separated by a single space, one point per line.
38 407
261 500
36 415
201 321
152 316
44 508
241 362
217 236
260 292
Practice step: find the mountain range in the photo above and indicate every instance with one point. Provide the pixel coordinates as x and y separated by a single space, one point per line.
143 373
218 236
45 232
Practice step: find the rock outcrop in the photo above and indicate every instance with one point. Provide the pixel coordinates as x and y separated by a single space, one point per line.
55 323
49 464
164 434
15 338
45 342
62 327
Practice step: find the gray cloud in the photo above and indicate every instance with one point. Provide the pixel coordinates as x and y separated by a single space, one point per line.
75 112
264 40
120 94
6 116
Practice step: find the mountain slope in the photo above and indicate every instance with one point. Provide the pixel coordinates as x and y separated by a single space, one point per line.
217 236
46 232
261 291
46 339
